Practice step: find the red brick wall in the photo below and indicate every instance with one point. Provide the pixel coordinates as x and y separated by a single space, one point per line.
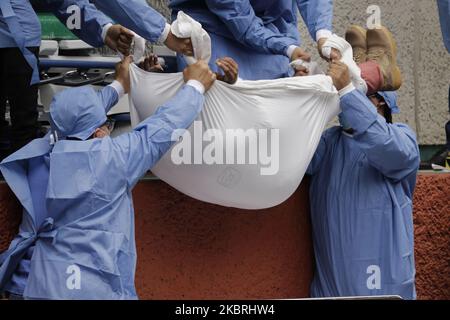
432 236
192 250
189 249
10 216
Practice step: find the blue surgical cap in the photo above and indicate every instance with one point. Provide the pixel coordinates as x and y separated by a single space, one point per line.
77 112
390 97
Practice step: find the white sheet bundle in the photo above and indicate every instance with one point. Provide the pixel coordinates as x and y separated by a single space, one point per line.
277 124
299 107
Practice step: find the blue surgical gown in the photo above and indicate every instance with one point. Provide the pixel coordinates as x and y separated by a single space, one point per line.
135 15
85 246
256 33
444 16
22 27
27 19
361 205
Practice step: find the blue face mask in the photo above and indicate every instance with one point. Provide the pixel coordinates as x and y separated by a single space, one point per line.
343 123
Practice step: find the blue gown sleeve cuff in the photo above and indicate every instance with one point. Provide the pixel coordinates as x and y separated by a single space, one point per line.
323 33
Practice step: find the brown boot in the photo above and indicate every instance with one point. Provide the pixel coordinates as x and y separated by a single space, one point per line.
382 49
357 37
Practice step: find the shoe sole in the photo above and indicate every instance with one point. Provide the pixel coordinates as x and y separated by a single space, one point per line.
396 73
360 29
362 32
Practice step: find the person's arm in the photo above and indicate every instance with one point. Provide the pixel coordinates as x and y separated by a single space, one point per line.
145 21
444 17
92 20
318 17
390 148
247 28
111 94
151 139
137 16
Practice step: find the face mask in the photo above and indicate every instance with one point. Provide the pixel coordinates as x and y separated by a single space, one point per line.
343 123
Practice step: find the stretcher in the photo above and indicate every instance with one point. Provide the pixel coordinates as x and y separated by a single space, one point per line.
73 63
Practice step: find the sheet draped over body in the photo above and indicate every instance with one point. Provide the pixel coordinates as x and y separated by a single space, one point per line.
277 124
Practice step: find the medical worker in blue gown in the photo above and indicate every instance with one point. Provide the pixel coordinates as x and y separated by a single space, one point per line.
76 240
363 178
261 35
20 38
444 17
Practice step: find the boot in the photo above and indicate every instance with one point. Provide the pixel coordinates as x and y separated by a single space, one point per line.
357 37
382 49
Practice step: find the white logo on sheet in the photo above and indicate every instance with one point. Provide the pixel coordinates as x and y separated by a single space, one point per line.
229 178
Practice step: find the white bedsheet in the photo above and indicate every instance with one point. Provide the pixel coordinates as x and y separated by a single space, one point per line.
291 112
299 108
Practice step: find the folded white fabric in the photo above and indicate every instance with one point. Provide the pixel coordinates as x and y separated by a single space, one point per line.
346 50
186 27
275 124
312 66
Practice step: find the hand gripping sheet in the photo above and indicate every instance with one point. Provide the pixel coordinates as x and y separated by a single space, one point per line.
276 123
186 27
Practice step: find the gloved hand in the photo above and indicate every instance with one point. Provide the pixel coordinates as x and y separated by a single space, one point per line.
151 64
201 72
183 46
230 70
119 38
123 73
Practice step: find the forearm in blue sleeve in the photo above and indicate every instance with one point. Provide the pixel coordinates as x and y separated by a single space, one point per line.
92 20
247 28
444 17
390 148
109 96
317 14
134 15
153 137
